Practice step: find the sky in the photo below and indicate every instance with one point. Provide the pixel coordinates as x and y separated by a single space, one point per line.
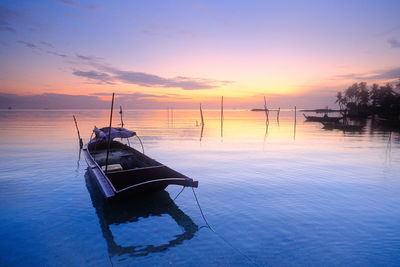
154 54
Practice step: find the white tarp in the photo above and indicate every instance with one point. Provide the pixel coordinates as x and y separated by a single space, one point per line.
116 132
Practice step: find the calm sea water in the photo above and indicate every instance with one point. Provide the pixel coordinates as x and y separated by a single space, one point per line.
276 196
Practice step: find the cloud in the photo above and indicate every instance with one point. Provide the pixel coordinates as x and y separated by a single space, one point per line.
54 101
64 101
94 75
394 43
29 45
79 5
136 94
35 47
107 74
392 73
151 80
8 29
94 68
388 31
56 54
47 44
85 57
5 15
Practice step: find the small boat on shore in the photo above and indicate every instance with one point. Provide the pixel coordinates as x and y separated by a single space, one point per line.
342 126
119 169
325 118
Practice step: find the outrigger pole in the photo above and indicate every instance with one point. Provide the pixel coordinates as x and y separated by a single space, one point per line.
109 132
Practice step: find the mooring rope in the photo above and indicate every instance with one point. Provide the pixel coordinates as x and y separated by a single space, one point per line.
173 200
220 236
179 193
201 211
140 143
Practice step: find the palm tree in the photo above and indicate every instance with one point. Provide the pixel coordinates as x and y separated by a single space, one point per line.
340 100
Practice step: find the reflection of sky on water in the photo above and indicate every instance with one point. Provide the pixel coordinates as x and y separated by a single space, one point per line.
327 197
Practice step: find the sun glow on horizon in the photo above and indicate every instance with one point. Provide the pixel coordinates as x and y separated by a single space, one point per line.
187 56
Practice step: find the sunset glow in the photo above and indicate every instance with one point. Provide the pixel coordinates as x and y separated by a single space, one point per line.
181 53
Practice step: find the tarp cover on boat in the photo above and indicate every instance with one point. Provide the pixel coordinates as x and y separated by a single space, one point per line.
116 132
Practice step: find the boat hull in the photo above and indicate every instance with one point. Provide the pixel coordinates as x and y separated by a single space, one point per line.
150 176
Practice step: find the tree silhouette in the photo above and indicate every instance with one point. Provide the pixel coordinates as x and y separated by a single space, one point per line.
359 100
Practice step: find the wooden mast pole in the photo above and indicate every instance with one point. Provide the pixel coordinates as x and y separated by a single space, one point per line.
109 132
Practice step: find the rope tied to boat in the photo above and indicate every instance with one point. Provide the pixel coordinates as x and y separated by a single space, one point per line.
140 143
217 234
201 211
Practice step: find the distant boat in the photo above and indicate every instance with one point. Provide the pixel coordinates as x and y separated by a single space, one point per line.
342 126
127 171
322 119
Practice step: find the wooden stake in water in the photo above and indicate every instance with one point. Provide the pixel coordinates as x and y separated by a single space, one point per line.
222 116
295 120
109 132
201 114
79 135
168 115
172 117
120 112
277 114
266 110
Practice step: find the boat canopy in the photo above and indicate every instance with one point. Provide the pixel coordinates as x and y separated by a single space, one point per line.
101 135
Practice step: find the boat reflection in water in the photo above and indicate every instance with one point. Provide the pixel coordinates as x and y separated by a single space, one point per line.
120 212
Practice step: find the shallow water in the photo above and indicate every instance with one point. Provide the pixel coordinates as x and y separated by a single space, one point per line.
281 195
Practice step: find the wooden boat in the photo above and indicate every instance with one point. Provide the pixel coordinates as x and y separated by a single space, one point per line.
322 119
342 126
119 169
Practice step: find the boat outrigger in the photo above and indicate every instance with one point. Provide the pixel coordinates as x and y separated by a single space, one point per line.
119 169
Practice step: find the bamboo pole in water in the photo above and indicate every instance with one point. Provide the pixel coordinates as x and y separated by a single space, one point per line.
277 114
266 110
79 135
109 132
169 119
222 115
172 117
295 120
201 114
